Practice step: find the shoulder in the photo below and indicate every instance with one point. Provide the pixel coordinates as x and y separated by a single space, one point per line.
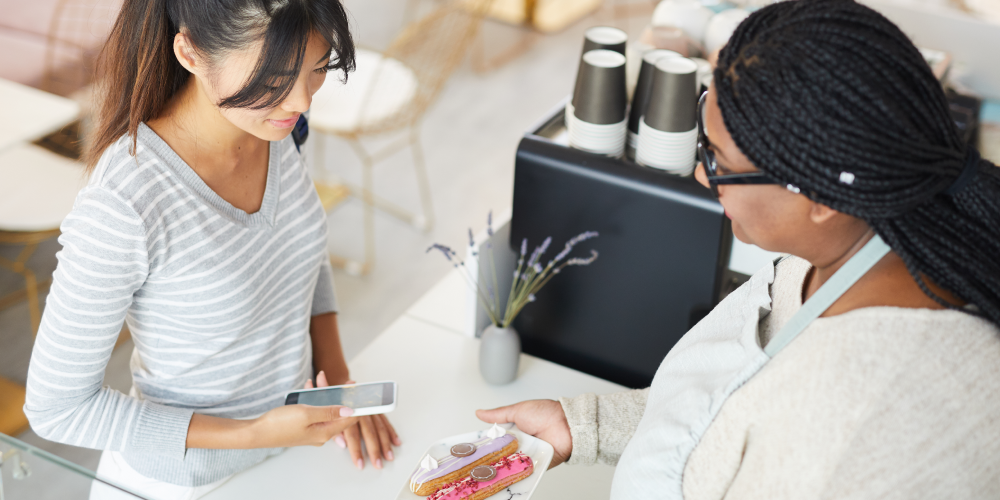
130 170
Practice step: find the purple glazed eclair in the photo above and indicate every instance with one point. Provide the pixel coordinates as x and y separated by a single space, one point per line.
433 473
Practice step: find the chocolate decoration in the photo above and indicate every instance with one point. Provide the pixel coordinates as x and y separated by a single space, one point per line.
463 449
483 473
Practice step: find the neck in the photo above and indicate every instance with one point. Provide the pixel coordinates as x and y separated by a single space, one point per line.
198 126
824 270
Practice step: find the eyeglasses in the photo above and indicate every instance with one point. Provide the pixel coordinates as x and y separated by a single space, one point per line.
707 157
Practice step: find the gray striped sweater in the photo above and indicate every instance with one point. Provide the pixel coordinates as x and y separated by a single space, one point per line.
218 302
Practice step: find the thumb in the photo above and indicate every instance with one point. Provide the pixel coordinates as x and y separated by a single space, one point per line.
501 415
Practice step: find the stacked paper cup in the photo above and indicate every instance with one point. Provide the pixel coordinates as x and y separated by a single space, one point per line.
668 133
643 91
596 38
599 123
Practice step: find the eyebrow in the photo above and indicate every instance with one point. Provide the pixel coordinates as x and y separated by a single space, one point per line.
327 56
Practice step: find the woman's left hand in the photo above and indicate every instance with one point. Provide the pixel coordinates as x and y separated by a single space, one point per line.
375 430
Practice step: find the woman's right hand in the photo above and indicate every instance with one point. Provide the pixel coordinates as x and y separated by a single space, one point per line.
298 425
542 418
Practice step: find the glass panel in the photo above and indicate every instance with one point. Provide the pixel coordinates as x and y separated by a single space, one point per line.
28 473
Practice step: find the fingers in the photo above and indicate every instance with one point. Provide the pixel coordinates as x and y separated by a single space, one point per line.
372 443
309 384
501 415
352 435
323 414
321 379
383 436
392 431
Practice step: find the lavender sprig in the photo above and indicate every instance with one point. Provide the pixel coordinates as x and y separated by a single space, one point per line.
529 277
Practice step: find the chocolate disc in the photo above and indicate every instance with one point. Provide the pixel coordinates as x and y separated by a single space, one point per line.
463 449
483 473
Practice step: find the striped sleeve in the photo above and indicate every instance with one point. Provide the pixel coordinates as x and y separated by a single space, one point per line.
103 262
324 298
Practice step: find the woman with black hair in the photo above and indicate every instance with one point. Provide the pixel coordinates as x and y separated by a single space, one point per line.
201 229
864 365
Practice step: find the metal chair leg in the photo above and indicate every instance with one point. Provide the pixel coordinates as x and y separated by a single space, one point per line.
423 182
19 266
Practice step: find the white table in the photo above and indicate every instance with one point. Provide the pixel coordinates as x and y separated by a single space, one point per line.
439 390
27 114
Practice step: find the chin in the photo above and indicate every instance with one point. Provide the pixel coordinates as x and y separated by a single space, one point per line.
269 133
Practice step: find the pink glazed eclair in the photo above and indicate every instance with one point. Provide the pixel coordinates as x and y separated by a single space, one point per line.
487 480
433 474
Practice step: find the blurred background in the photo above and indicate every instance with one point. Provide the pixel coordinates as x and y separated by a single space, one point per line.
444 167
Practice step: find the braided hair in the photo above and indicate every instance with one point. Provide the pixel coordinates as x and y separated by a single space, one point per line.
832 98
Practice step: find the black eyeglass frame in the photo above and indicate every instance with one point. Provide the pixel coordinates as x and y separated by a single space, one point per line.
707 158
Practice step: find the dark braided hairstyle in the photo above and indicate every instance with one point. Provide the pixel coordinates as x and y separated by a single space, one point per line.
832 98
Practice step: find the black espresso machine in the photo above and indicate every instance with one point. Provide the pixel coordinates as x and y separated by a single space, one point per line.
664 252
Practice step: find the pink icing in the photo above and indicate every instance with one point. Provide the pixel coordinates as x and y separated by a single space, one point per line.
463 488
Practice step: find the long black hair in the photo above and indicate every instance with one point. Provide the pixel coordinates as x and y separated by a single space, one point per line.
831 97
139 73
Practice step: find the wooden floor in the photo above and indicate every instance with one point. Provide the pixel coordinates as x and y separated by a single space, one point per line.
12 420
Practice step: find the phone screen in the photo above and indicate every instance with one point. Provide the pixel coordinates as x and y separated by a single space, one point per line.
359 396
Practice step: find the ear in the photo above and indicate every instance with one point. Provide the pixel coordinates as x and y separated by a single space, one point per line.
186 55
820 214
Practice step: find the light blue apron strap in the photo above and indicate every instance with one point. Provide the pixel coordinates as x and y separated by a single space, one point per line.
840 282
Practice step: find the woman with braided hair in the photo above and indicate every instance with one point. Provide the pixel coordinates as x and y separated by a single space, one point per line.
865 364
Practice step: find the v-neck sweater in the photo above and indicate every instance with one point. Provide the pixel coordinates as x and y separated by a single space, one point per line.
876 403
218 302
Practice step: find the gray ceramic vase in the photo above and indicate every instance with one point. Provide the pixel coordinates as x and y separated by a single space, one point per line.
499 354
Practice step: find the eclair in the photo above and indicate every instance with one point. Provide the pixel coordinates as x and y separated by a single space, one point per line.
487 480
434 473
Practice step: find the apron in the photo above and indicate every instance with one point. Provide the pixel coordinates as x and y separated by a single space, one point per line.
714 359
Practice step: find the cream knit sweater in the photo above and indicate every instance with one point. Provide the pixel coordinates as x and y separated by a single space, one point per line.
880 402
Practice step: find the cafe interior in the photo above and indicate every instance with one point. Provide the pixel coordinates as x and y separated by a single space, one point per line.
470 133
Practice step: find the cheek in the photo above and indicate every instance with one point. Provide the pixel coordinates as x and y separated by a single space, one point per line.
757 214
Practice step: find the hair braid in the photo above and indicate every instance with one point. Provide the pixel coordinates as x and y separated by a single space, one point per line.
810 89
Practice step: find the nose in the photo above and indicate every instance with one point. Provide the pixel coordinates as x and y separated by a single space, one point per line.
299 99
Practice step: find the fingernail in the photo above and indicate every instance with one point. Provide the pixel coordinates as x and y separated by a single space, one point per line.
346 412
361 464
340 441
388 455
320 373
378 463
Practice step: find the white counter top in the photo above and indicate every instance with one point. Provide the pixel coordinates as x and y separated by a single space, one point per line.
436 368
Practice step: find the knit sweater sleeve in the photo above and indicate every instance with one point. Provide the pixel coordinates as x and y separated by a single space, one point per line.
104 261
601 426
324 297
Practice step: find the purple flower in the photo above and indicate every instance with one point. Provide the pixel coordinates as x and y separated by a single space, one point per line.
489 223
531 297
539 250
573 242
577 261
448 252
537 268
524 247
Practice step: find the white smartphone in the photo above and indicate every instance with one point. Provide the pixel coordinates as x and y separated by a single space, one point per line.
365 399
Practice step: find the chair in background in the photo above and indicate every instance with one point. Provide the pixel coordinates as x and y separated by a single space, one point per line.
389 93
76 36
36 194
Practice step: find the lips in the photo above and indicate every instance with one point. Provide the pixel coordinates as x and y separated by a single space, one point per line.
284 123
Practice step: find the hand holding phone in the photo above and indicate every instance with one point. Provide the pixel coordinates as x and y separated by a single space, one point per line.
287 426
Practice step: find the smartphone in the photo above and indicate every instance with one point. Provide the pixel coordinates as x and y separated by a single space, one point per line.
365 399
